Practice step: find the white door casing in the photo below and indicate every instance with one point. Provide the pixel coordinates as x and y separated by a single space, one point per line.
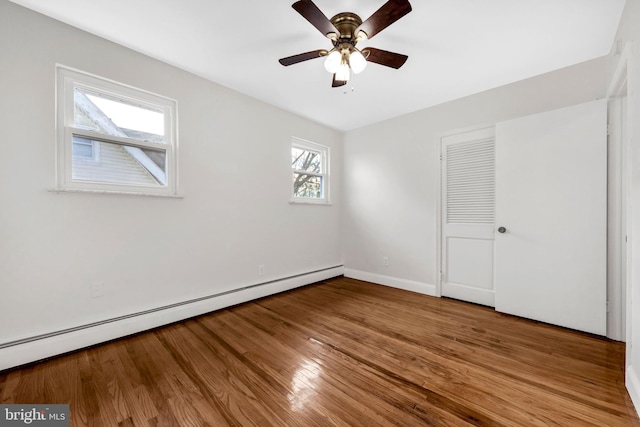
468 210
617 268
551 196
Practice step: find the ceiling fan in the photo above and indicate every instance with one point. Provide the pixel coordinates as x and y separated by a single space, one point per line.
345 30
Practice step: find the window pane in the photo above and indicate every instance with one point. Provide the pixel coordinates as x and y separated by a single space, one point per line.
306 160
307 186
82 147
122 164
118 118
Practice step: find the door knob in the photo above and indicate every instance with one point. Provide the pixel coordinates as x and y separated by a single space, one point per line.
501 230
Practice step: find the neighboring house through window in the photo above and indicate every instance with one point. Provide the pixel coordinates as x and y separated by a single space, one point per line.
310 166
112 137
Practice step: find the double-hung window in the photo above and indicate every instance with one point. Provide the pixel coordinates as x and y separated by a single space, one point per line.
310 168
114 138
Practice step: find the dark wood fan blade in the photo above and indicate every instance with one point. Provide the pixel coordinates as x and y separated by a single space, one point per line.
384 57
337 83
389 13
290 60
311 13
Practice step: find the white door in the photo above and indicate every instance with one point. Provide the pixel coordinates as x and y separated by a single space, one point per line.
551 183
468 209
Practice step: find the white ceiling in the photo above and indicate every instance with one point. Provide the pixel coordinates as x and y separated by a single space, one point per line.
455 47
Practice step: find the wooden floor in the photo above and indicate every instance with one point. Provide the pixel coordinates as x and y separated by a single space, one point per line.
341 352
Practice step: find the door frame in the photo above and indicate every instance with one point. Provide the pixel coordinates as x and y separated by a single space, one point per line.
619 244
439 202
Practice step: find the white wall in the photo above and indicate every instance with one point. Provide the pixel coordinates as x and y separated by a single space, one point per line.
629 34
235 176
391 171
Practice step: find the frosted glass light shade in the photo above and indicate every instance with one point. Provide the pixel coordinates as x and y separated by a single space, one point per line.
332 63
343 72
357 61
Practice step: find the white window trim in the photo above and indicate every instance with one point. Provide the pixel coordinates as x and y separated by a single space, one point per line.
324 152
67 79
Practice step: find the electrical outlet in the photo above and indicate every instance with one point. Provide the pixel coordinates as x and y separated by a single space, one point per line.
97 289
260 270
385 260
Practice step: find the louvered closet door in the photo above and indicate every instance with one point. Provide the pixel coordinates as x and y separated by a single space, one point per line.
468 216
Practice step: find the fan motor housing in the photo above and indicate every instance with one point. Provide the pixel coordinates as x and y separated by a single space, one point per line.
346 23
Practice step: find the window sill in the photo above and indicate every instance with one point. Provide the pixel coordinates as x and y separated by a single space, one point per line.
112 192
309 202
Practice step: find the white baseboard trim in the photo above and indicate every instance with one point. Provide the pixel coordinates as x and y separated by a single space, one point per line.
394 282
633 387
37 348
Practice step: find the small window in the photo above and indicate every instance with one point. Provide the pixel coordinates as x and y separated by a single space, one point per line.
309 163
113 137
84 148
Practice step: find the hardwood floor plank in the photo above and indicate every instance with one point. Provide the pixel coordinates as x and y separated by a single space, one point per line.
339 353
84 409
9 382
169 388
293 385
136 403
349 372
233 400
445 375
488 358
387 359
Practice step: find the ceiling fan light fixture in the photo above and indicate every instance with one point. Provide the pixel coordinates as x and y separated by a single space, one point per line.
357 61
345 30
332 63
343 72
